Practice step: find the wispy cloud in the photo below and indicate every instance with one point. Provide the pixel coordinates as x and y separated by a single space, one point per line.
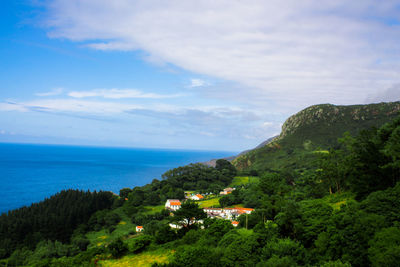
118 94
68 105
197 83
293 52
209 121
53 92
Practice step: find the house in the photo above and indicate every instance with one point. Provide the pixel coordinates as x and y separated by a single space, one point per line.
196 197
227 191
213 212
235 223
139 229
173 204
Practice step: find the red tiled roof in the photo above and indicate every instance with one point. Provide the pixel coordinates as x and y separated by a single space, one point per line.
175 203
199 196
235 222
139 227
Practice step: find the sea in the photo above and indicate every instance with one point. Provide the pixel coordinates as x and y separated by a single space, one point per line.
30 173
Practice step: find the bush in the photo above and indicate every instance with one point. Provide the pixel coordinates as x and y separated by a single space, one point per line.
117 248
139 243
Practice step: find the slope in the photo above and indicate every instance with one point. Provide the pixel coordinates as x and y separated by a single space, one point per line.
313 130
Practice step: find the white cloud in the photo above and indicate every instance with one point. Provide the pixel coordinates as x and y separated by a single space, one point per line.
294 53
53 92
389 95
117 94
197 83
268 124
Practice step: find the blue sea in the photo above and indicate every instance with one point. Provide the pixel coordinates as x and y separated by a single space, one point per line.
30 173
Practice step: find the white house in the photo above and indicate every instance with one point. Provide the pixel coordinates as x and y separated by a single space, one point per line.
139 229
173 204
196 197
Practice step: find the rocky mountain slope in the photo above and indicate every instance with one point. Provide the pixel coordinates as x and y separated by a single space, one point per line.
315 128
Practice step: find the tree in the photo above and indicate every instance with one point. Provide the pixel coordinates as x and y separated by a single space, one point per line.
283 251
196 256
165 234
117 248
188 214
385 248
333 171
124 192
225 167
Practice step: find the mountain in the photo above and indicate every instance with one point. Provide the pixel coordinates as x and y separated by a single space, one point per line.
312 130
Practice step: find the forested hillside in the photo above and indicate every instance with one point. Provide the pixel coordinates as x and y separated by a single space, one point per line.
340 207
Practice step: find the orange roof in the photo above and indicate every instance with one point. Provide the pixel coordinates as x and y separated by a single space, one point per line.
139 227
245 209
175 203
199 196
235 222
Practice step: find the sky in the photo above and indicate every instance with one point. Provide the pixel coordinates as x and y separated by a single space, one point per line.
210 75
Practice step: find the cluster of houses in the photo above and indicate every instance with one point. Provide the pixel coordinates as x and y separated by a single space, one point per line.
219 213
226 213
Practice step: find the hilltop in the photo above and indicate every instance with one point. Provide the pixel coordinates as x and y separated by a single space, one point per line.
314 129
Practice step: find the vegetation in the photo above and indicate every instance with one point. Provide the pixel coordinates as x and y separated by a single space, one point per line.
340 206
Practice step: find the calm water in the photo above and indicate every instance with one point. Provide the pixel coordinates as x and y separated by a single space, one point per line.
29 173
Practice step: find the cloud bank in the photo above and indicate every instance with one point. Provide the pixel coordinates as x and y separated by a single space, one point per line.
294 53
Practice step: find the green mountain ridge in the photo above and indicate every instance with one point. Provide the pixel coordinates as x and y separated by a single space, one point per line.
315 128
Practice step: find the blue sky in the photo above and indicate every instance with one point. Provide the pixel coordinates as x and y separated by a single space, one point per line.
187 74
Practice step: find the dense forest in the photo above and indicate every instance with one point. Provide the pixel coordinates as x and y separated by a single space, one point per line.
342 209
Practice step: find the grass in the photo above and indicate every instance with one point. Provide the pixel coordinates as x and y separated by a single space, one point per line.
241 180
153 209
103 237
321 151
212 202
143 259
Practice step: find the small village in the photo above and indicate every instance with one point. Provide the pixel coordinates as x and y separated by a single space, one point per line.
215 213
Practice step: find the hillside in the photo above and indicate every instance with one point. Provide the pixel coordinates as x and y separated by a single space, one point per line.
313 129
343 213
